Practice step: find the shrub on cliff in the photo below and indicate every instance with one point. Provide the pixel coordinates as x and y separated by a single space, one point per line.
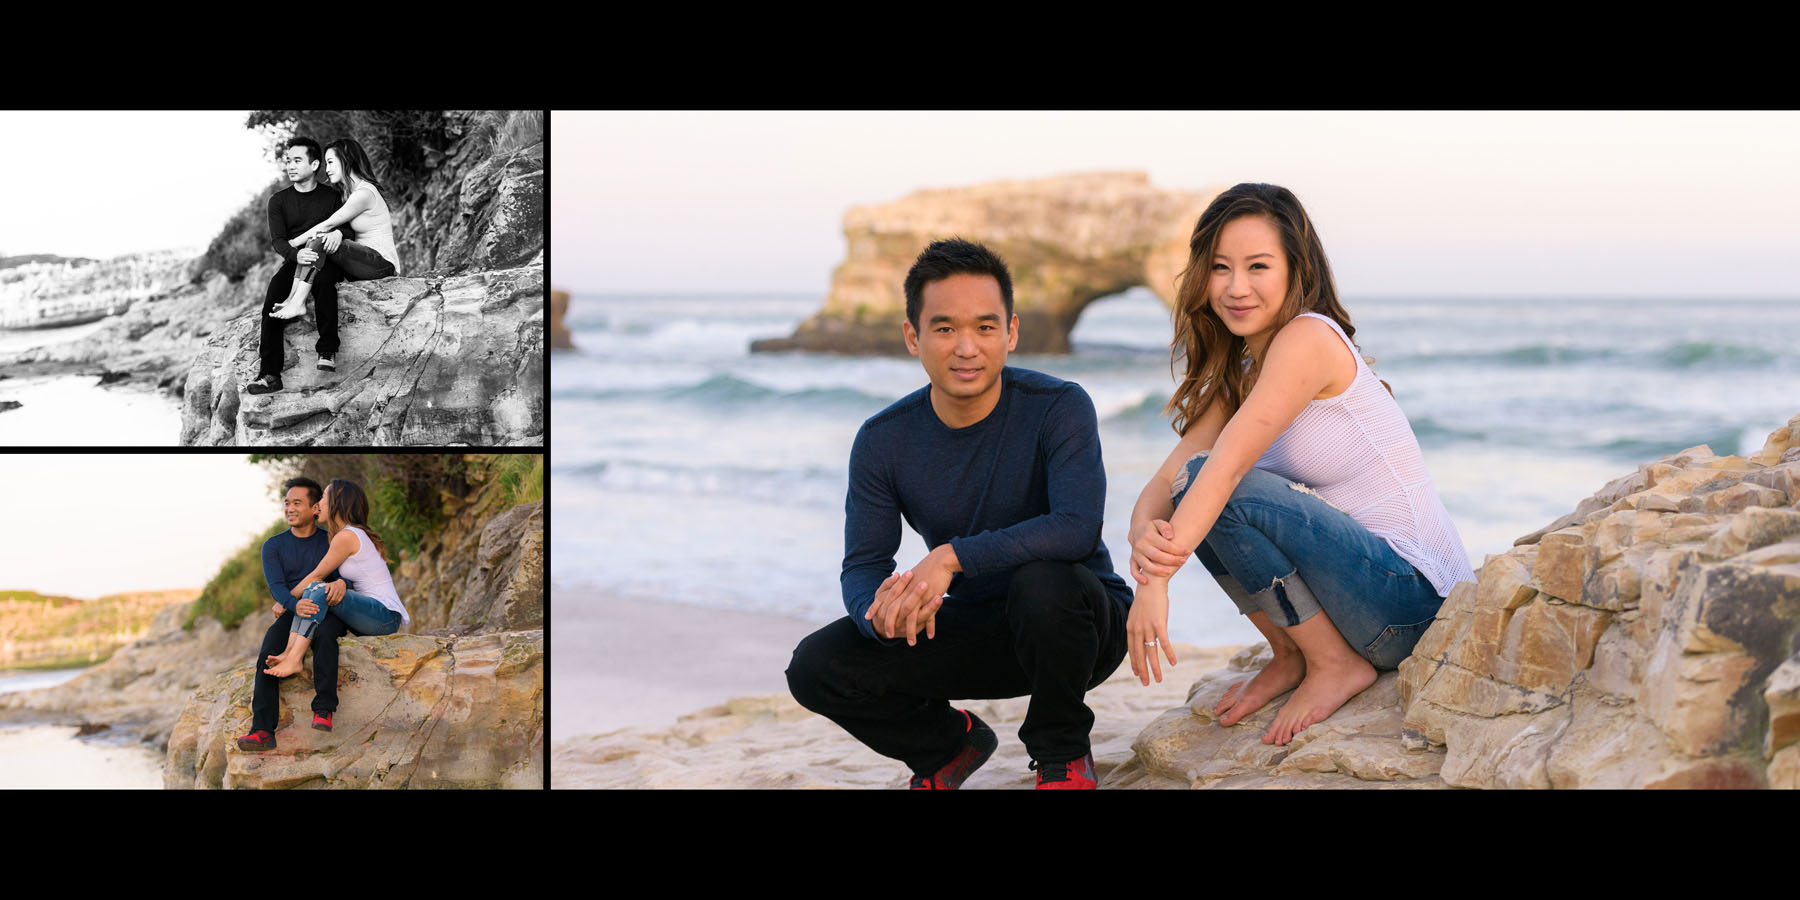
244 240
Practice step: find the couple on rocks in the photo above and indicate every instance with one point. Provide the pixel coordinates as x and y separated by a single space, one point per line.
1297 482
328 536
323 236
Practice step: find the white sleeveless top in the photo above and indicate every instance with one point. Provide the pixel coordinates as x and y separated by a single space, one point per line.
367 574
375 228
1357 451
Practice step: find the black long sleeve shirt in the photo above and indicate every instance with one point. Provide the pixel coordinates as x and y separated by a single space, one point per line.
291 213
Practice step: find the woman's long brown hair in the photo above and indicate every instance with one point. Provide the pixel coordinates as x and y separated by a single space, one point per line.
346 504
1215 358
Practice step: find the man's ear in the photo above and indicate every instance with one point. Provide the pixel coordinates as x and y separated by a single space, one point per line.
1012 337
912 337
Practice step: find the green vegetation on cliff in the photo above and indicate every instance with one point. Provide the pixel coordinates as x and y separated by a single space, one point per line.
238 589
42 631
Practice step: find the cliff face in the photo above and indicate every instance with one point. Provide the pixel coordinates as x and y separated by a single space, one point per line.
46 294
1650 638
48 634
1067 241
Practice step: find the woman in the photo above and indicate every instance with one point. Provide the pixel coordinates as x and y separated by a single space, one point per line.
1298 482
370 605
372 253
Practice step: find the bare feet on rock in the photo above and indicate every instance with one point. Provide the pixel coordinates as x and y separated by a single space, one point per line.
1278 677
1329 683
282 668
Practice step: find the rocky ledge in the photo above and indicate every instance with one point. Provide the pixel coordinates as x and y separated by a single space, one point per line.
1067 241
454 361
414 711
1650 638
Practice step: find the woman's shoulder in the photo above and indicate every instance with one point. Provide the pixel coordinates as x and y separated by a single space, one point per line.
1311 334
349 537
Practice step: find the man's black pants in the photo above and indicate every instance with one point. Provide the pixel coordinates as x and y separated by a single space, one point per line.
265 706
325 299
1057 635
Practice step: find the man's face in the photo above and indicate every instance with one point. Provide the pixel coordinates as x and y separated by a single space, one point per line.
964 335
296 165
299 508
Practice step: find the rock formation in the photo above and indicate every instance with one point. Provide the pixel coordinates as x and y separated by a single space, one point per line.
559 333
1650 638
414 711
1067 241
59 292
422 361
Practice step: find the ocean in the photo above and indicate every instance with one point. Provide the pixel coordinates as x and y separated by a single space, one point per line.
689 471
74 410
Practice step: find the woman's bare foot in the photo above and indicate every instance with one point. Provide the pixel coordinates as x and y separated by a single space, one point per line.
285 667
295 304
1278 677
1329 683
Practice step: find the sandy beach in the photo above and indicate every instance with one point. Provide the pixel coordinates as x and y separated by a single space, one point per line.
654 695
49 756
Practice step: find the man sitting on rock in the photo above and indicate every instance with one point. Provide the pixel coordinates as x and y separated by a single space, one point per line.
293 211
287 559
999 470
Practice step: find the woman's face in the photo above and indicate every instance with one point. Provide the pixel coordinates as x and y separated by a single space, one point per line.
334 168
1249 276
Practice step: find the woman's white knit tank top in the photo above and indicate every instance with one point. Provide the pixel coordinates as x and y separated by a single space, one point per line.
368 575
1357 451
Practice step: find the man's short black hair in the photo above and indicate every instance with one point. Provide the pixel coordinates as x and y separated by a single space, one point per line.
954 256
312 487
313 153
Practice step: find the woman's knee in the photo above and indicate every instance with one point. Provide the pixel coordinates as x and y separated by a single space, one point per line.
316 245
1189 471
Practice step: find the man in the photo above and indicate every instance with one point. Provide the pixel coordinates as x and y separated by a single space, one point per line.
287 558
292 210
999 470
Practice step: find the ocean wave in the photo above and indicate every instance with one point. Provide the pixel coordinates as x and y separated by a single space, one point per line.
724 390
1678 355
1147 408
790 486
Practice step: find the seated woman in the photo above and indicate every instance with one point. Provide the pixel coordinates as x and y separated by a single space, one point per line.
370 605
1297 482
371 254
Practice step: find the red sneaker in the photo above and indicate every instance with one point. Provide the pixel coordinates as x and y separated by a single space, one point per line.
1077 775
978 744
257 740
322 721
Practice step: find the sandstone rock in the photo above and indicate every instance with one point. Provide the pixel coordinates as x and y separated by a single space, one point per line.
481 574
1782 694
559 333
447 362
414 712
1558 569
1067 241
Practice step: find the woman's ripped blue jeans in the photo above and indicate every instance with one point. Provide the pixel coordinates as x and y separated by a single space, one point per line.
362 613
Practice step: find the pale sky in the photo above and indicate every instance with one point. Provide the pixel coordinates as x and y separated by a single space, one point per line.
89 525
1665 204
104 184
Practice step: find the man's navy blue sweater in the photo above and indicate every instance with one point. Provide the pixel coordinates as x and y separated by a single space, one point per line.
286 559
1026 483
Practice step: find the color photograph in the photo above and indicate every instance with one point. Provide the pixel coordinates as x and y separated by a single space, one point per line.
1175 450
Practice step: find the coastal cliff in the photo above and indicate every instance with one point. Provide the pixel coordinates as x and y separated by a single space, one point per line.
42 632
458 702
52 292
1067 241
448 353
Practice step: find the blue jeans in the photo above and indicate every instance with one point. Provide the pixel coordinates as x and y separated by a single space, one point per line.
1312 556
362 613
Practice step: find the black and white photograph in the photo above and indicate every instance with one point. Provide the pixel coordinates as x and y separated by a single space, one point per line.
283 278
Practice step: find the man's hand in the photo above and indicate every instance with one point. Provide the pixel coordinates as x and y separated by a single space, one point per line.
334 592
1153 552
279 609
307 257
332 240
913 600
306 608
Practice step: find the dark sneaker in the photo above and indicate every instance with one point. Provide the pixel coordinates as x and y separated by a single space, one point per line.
1077 775
268 384
978 744
328 364
322 721
257 740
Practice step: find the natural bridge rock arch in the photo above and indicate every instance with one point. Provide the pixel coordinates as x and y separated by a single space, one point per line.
1068 240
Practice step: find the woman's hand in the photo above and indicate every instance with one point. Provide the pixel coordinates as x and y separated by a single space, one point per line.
1154 552
1146 629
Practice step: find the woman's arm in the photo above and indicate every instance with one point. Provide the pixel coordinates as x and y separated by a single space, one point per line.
343 546
1154 506
1301 363
353 205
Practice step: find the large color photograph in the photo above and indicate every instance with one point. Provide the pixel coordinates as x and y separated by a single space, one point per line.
1047 450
